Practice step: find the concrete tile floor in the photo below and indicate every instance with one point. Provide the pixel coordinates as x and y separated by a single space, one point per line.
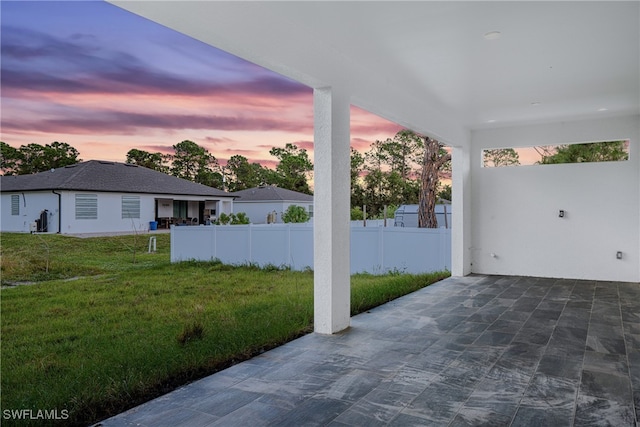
471 351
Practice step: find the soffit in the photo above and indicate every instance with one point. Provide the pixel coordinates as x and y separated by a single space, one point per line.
426 65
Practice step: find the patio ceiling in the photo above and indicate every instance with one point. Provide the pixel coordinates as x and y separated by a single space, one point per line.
427 65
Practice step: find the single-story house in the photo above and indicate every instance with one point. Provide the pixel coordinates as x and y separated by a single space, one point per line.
266 204
102 196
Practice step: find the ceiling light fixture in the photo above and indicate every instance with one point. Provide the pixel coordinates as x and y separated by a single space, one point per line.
492 35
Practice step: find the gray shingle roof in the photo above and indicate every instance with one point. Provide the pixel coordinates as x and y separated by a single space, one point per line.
112 177
271 193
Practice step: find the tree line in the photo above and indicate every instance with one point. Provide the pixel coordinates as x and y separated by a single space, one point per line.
404 169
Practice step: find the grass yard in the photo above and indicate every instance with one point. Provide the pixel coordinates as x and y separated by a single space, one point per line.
107 326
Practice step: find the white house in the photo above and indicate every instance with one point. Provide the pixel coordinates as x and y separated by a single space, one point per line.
266 204
100 196
475 76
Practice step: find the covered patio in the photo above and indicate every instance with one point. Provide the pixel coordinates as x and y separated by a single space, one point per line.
489 346
472 351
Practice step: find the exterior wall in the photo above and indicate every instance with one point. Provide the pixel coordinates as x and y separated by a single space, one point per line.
31 205
258 211
109 214
109 217
515 223
375 250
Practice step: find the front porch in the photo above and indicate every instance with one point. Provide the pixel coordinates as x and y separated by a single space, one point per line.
467 351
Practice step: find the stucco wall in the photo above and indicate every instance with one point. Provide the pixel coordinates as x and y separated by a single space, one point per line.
109 214
31 204
515 226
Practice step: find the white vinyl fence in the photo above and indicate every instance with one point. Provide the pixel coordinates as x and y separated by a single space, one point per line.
375 250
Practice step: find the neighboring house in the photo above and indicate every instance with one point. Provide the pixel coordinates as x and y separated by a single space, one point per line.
260 203
101 196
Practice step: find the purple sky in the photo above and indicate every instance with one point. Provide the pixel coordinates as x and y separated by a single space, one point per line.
105 81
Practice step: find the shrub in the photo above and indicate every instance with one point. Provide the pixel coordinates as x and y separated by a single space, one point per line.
295 213
233 219
357 214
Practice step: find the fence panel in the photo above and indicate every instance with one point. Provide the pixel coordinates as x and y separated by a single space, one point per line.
376 250
270 245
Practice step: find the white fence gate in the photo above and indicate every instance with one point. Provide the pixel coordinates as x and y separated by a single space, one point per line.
375 250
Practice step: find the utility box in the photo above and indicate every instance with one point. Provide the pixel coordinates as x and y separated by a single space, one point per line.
42 223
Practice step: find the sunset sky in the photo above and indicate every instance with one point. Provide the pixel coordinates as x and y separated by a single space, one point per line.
104 81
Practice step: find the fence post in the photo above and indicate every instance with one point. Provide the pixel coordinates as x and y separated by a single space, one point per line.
213 236
381 231
249 240
289 257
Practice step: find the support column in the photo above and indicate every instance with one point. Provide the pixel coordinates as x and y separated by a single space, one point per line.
331 212
461 210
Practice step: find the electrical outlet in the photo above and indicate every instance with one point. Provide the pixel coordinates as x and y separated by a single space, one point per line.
619 255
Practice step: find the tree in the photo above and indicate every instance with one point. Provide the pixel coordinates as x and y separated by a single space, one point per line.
156 161
444 192
402 153
34 158
500 157
9 159
391 171
194 163
435 158
295 214
357 167
609 151
293 169
242 175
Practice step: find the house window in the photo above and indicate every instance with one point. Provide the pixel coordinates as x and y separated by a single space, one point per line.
86 206
584 152
130 207
180 208
15 204
310 211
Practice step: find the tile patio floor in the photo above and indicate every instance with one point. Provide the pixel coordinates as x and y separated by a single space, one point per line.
472 351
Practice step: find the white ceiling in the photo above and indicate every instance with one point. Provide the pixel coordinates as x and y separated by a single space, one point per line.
426 64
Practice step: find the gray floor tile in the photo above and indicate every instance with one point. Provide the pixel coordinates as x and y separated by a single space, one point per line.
528 416
607 363
605 385
603 344
564 366
480 417
377 408
594 411
549 392
313 412
438 402
494 339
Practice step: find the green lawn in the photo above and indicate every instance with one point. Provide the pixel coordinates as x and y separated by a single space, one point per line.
107 325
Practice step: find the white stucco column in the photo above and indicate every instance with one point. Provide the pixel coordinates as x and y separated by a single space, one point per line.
461 210
331 227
